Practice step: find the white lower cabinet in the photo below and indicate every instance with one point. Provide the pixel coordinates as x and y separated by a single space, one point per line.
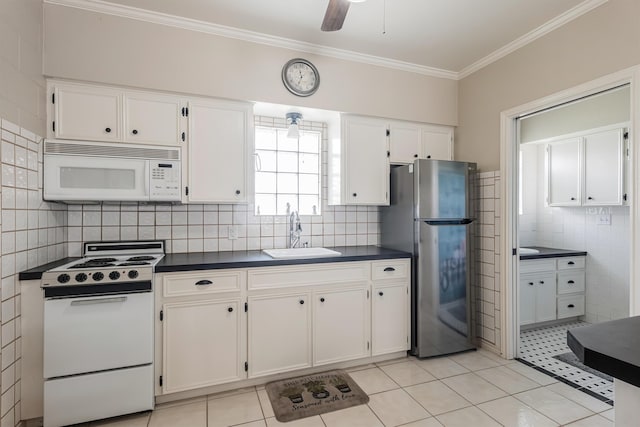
537 297
340 325
202 343
390 318
279 333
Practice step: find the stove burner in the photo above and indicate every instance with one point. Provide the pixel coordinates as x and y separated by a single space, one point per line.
88 264
124 264
100 260
141 258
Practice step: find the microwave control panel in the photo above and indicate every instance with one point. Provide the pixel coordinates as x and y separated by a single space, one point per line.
164 180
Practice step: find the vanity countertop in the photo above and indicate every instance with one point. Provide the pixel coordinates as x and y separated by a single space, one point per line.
551 253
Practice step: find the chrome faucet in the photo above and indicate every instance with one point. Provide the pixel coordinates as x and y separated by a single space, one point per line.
294 229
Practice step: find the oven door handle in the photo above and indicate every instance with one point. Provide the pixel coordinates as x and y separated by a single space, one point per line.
98 301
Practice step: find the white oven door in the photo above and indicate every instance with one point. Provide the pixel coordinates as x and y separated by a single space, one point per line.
95 178
96 333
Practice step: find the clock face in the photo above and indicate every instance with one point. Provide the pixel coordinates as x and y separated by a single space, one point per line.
300 77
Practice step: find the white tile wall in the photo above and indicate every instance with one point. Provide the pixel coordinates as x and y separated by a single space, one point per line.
32 233
197 228
487 261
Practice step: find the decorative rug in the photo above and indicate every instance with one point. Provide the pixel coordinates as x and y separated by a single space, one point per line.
310 395
573 360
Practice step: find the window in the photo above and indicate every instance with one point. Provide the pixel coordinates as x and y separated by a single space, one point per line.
287 174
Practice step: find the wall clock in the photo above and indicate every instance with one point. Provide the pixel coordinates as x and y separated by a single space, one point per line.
300 77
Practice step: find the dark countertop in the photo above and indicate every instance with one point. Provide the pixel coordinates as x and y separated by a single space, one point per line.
36 272
551 253
242 259
610 347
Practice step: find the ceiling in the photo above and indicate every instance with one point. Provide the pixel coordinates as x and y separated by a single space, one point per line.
448 35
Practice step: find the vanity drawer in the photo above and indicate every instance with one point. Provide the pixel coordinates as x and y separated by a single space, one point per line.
570 306
392 269
570 282
200 283
570 263
536 265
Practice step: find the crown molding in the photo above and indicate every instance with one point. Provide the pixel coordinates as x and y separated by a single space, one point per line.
104 7
531 36
101 6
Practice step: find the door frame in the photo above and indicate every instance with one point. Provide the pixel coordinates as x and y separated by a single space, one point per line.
509 189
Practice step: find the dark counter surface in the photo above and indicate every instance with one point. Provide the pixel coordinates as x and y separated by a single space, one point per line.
551 253
243 259
36 272
610 347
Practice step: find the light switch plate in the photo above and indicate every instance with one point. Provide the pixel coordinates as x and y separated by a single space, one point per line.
603 219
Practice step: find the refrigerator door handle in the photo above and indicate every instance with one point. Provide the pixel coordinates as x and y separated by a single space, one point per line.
463 221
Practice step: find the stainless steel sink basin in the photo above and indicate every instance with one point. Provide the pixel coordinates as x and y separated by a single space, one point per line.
292 253
528 251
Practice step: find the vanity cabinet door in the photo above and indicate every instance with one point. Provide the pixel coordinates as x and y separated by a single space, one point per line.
537 297
279 333
203 344
564 158
340 325
527 298
603 168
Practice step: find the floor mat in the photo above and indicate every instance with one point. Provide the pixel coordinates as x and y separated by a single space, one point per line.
310 395
539 346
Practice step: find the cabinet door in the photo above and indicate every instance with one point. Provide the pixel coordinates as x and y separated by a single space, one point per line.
404 142
340 329
217 152
279 333
203 344
527 299
151 118
437 143
545 297
365 165
389 318
564 159
87 113
603 154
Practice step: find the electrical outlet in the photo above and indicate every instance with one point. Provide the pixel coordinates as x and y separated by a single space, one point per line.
233 232
603 219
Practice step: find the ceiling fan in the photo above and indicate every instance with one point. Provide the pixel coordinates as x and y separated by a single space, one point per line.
335 14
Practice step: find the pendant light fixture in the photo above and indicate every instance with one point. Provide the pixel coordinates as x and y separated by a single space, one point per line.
293 120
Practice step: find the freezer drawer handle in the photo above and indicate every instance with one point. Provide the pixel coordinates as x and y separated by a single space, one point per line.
99 301
389 269
204 282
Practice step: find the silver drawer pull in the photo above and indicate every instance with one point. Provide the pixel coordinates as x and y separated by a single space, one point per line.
389 269
98 301
204 283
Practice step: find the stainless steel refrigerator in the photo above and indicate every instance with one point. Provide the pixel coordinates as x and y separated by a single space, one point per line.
431 215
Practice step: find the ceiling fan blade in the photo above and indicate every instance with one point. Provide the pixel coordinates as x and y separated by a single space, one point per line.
335 14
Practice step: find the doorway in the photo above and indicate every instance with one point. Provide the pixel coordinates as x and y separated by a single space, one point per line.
510 129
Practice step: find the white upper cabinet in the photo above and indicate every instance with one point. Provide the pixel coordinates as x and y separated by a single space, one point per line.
587 170
409 141
603 160
564 158
152 118
85 112
220 135
100 113
436 142
365 165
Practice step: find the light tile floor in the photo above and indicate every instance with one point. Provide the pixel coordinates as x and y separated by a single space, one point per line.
475 389
539 346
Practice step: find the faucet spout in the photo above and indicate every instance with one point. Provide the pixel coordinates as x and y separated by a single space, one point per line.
295 229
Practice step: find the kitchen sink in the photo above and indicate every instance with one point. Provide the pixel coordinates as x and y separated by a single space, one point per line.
528 251
291 253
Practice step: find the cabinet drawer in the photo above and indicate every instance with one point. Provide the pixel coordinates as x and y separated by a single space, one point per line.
309 274
570 281
569 263
200 283
535 265
570 306
392 269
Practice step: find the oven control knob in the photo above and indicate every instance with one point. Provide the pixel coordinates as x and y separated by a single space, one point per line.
114 275
97 276
63 278
81 277
132 274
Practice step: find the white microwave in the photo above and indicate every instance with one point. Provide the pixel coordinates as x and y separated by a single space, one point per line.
78 171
